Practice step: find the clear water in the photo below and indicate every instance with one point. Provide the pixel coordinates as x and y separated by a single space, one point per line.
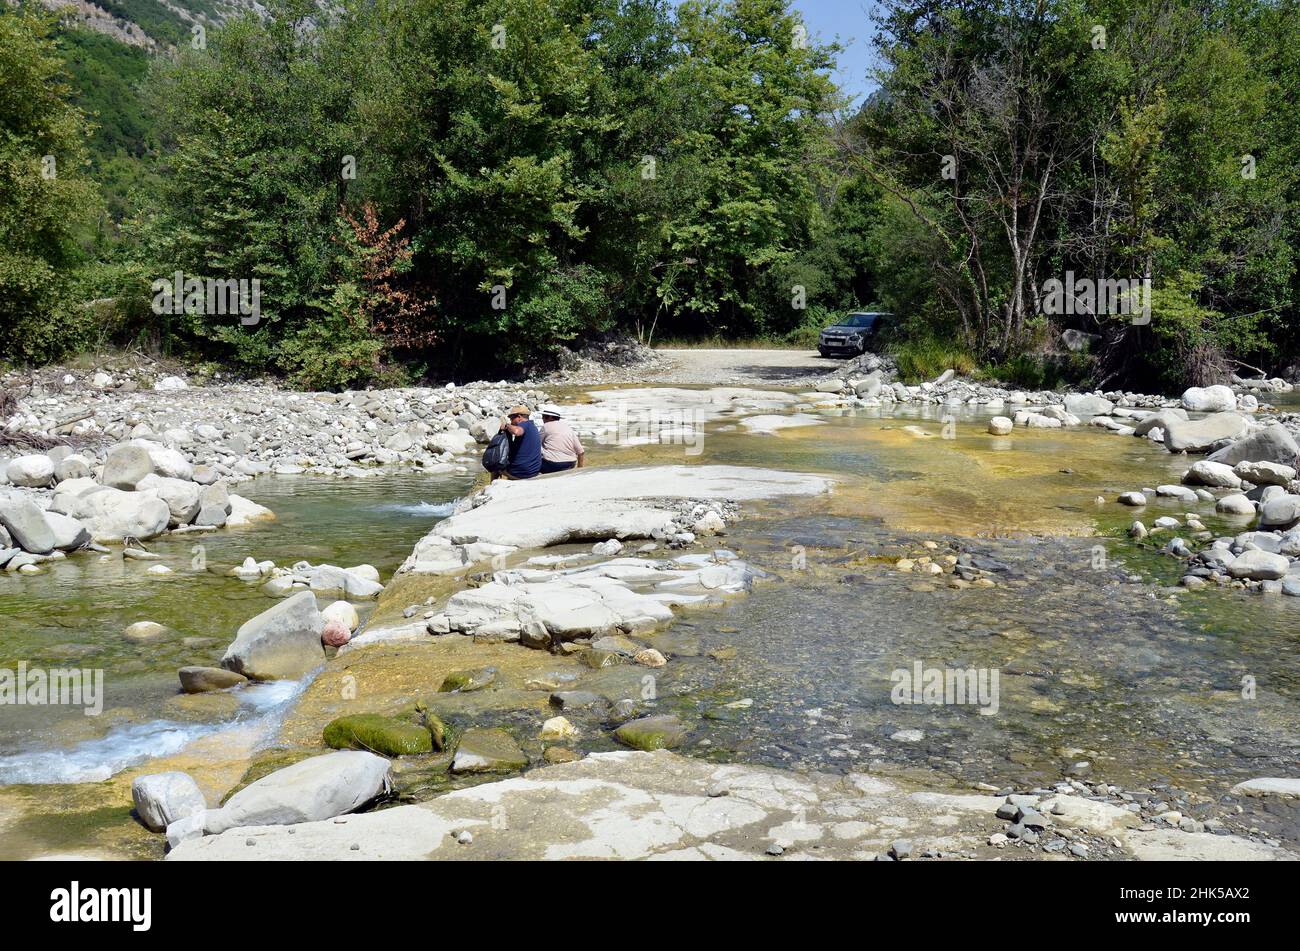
73 616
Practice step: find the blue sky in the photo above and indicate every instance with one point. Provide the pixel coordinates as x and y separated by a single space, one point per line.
850 22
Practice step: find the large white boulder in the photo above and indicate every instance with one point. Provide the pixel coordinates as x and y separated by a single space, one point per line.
1271 444
1199 435
1265 473
125 465
321 787
112 515
1086 404
1259 565
1214 474
34 471
69 534
1210 399
608 502
163 798
28 526
181 496
283 642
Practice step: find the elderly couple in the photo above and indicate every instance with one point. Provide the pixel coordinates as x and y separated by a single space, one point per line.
553 448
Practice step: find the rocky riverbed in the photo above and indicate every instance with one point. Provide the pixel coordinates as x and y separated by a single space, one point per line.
660 601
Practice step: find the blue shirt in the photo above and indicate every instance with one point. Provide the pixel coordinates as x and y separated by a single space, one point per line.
525 452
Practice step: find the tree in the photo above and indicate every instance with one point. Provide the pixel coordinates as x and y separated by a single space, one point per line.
44 194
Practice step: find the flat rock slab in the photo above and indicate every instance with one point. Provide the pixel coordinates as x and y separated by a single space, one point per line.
488 751
630 805
608 503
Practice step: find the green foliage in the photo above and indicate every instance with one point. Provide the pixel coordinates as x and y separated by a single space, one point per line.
924 358
106 78
44 194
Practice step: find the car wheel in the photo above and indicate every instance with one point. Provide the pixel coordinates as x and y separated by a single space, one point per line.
823 351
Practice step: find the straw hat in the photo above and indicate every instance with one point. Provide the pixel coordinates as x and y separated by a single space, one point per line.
518 411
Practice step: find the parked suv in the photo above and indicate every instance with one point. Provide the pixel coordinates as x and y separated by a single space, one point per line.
852 335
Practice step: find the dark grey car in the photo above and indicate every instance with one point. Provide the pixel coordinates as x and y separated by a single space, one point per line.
852 335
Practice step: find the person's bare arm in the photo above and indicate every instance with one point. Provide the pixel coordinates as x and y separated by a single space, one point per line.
582 459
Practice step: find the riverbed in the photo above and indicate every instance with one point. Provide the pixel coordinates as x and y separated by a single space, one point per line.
1099 658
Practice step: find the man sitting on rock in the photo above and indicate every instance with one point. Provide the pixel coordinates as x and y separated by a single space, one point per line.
561 448
525 446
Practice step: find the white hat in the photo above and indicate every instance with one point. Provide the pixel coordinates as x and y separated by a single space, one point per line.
550 409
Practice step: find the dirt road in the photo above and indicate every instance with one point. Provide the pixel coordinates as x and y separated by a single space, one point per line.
742 367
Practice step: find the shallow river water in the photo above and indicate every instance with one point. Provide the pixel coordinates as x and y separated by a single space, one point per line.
1097 659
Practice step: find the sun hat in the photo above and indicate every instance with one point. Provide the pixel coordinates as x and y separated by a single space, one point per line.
518 411
550 409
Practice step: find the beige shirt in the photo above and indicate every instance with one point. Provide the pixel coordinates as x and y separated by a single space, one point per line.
560 443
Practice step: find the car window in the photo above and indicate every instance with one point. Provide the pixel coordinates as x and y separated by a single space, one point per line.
860 320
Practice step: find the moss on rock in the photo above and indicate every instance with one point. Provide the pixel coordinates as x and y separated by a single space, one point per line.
378 734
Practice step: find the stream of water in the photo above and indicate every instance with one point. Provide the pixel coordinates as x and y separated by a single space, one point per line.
1146 683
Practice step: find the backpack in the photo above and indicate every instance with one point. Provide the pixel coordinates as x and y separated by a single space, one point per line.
496 457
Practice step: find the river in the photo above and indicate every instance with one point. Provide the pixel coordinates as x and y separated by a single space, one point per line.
1097 658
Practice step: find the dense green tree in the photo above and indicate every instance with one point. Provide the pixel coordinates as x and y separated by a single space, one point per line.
45 196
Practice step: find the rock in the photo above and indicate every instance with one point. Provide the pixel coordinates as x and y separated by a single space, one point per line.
577 699
907 736
163 798
28 526
344 613
1288 788
211 516
659 732
328 579
1214 474
558 728
1161 420
1280 512
1273 444
146 632
1084 404
710 523
1133 498
112 515
1235 505
33 472
72 467
606 503
321 787
467 681
126 465
1210 399
607 548
1259 565
335 633
205 679
243 512
1265 473
1000 426
487 751
181 496
281 642
170 384
649 658
1200 435
1137 530
378 734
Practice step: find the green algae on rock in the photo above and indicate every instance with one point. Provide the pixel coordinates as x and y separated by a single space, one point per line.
377 734
660 732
